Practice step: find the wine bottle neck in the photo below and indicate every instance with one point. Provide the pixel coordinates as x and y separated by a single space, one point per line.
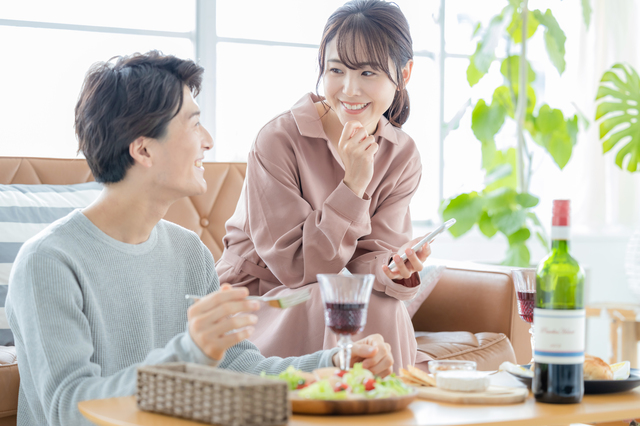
560 233
560 246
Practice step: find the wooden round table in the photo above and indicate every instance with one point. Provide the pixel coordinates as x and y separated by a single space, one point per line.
594 408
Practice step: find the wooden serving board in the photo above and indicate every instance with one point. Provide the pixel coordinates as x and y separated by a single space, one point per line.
350 406
493 395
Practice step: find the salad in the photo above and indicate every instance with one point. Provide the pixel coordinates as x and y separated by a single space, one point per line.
332 384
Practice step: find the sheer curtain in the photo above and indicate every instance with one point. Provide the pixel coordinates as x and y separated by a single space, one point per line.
607 199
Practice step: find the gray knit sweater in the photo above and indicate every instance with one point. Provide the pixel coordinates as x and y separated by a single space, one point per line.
86 309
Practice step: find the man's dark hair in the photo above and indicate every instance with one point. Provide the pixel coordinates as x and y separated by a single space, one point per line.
125 98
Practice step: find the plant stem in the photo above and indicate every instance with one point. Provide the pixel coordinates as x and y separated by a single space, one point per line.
521 107
514 98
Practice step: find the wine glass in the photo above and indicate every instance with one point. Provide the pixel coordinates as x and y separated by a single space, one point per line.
524 280
345 308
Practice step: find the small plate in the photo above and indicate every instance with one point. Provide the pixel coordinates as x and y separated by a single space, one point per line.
594 387
350 406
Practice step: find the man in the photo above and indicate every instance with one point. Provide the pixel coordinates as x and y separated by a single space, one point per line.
103 289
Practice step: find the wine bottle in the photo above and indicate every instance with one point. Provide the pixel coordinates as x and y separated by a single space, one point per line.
559 318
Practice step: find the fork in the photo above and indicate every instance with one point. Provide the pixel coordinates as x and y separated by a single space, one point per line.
283 302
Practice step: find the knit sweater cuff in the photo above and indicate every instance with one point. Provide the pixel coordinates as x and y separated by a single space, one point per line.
326 360
199 357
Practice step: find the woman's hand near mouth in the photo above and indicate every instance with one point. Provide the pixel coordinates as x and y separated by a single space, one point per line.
357 150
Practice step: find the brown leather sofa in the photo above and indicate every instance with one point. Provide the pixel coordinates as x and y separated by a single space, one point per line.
471 313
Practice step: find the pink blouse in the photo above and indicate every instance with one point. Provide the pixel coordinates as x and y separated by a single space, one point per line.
296 218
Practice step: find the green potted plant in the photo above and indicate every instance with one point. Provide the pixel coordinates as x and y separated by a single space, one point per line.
505 203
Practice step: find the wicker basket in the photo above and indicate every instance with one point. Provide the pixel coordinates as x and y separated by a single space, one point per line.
212 395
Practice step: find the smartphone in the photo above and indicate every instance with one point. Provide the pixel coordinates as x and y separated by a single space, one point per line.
440 229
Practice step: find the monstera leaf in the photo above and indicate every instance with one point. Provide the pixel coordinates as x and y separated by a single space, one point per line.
619 93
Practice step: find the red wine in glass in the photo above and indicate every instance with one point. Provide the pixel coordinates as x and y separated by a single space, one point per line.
345 318
345 300
526 303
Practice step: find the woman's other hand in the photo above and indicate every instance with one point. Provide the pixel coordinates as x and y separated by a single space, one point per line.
414 262
214 323
357 150
373 353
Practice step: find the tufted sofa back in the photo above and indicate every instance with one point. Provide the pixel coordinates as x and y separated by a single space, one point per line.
204 214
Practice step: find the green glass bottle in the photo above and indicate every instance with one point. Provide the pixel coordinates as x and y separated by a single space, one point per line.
559 319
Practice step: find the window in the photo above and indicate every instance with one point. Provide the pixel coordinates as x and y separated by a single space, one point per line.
47 47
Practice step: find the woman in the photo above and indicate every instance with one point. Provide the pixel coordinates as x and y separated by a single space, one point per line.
328 186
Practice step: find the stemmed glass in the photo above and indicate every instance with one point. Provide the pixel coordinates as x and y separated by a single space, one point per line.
524 280
345 308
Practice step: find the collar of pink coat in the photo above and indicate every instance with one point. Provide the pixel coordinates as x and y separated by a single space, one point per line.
309 125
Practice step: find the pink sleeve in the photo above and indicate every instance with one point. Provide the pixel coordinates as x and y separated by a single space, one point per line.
295 241
391 228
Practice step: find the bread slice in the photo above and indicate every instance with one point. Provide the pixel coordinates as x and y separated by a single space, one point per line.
596 369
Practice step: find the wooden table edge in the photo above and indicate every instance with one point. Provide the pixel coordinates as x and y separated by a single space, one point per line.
128 405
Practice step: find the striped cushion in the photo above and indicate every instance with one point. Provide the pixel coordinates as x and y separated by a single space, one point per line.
25 210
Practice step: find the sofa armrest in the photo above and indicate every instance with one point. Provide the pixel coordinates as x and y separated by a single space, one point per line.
9 384
477 298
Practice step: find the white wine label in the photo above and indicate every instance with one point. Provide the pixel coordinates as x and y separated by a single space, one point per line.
560 232
559 336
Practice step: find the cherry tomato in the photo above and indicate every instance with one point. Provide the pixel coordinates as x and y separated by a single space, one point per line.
369 384
340 373
340 387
